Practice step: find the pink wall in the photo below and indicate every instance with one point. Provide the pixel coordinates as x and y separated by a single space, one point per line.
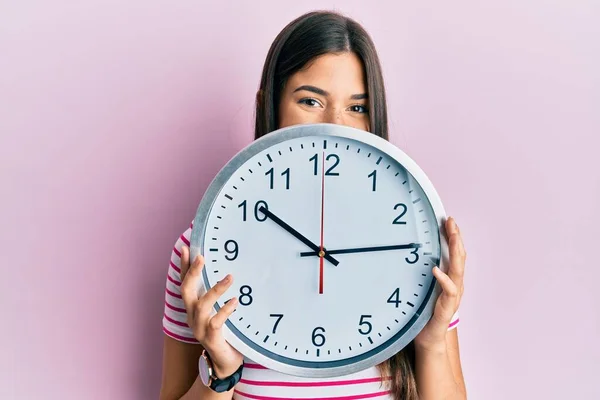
114 116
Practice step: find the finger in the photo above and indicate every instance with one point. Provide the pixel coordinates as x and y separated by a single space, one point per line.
208 301
185 261
449 297
457 260
454 228
189 285
217 321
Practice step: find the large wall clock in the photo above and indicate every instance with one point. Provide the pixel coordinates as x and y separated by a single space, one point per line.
330 234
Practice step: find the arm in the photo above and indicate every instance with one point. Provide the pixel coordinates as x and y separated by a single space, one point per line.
439 372
181 348
180 379
438 369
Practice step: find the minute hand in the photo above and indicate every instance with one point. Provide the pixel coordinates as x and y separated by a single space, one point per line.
365 249
297 235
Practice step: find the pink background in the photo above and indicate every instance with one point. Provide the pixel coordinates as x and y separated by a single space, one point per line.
115 116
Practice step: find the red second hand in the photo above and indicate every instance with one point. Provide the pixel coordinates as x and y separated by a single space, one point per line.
321 253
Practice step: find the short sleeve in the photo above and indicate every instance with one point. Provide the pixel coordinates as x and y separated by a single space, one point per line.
454 322
175 316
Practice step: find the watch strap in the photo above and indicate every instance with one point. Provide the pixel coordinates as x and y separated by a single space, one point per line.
223 385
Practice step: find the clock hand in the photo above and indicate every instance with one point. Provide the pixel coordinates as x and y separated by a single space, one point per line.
365 249
296 234
321 252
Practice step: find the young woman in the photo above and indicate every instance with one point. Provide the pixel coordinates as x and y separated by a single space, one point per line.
322 67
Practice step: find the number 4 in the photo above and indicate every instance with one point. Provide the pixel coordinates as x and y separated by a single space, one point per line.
395 298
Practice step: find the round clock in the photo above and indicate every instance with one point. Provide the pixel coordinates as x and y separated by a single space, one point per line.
330 234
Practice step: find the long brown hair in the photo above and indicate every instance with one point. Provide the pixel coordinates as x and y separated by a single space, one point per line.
311 35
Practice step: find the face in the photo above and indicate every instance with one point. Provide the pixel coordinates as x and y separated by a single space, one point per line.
331 89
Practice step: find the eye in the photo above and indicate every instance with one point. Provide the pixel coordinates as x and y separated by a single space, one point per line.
309 101
359 109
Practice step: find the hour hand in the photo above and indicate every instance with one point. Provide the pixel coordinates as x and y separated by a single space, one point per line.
364 249
297 235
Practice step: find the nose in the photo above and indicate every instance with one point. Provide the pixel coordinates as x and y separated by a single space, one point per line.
335 116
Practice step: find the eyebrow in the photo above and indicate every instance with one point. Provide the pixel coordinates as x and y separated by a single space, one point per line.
324 93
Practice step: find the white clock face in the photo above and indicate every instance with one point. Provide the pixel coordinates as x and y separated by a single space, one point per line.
273 213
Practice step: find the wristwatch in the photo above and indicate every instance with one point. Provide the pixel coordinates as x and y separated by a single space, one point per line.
207 375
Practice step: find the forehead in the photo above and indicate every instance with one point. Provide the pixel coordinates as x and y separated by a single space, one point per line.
338 74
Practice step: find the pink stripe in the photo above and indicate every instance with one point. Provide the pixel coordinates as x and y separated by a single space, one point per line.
177 252
254 366
175 308
176 322
176 283
187 242
173 294
314 384
179 337
454 323
353 397
175 267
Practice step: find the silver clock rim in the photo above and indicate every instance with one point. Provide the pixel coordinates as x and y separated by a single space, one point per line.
325 130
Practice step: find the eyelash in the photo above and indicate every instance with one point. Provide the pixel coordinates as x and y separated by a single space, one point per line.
303 101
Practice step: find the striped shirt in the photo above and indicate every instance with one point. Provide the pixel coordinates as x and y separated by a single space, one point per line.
258 382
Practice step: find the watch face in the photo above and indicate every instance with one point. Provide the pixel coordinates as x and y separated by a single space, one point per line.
203 370
312 191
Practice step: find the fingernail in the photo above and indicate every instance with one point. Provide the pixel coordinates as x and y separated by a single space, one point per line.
226 279
452 222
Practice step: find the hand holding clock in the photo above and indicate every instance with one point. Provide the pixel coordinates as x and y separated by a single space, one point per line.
207 329
433 335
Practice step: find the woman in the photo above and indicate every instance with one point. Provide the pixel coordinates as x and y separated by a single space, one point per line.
322 67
